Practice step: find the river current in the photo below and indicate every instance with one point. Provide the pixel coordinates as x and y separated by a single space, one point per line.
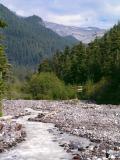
39 144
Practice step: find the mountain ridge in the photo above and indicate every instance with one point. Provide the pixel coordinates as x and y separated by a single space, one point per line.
28 41
84 34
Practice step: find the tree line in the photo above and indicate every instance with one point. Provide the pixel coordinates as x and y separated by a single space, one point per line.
4 67
95 66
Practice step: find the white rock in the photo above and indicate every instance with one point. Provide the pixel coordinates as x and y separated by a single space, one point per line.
91 148
104 158
112 157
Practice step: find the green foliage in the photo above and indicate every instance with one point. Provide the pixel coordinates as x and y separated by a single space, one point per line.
0 109
88 90
45 66
48 86
70 65
95 66
14 89
93 90
104 91
3 69
110 94
2 24
92 65
28 41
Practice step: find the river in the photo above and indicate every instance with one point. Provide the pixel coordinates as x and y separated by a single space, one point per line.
39 144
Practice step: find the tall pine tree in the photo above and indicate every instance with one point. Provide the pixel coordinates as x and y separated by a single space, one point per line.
3 68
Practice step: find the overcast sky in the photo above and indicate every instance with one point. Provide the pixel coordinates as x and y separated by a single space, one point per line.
99 13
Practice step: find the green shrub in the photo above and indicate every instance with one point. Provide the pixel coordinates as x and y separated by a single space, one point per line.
48 86
0 109
14 89
88 90
103 92
1 114
93 91
111 94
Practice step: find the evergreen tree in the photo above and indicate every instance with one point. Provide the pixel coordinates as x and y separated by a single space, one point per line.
3 68
96 65
28 41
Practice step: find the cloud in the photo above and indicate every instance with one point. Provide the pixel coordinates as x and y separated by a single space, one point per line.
73 19
114 9
100 13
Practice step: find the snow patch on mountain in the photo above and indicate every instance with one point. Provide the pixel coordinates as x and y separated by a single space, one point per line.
84 34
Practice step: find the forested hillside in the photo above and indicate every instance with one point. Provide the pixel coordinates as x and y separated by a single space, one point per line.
28 41
4 67
96 67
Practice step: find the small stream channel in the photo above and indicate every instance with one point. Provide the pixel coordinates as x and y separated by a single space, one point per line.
40 144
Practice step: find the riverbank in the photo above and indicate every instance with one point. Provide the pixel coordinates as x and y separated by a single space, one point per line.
11 133
98 123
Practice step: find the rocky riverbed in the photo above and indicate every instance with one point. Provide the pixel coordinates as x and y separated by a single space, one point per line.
100 124
40 144
11 133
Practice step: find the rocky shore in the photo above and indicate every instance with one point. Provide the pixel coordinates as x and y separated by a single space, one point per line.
98 123
11 133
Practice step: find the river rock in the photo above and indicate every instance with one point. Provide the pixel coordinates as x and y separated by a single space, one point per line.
1 126
18 127
76 157
40 115
99 123
11 133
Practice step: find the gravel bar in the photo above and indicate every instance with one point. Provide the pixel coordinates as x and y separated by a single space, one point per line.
99 123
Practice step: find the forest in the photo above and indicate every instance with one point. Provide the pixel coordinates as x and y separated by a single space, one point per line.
27 40
95 67
59 80
4 69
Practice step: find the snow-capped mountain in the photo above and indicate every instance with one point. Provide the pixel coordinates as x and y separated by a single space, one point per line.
84 34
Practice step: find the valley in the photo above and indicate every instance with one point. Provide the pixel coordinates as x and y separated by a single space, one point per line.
59 80
28 41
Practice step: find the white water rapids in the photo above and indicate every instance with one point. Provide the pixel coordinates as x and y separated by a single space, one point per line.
39 144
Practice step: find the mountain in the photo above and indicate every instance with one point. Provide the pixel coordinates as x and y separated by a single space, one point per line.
84 34
71 39
28 41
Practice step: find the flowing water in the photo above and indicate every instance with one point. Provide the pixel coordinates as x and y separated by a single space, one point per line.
39 144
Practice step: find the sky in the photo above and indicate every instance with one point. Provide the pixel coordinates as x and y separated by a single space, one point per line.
82 13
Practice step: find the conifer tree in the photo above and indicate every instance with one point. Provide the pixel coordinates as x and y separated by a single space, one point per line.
3 67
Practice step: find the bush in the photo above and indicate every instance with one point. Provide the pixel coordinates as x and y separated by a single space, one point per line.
111 94
94 91
0 109
103 92
14 89
88 90
48 86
